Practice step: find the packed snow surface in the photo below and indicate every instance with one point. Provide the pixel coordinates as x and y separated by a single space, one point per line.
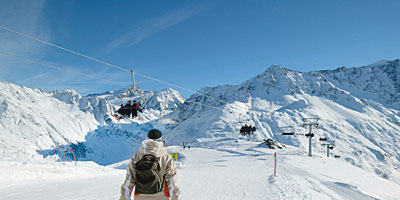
224 172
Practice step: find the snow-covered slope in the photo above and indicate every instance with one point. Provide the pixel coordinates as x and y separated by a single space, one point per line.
358 109
98 106
379 82
34 122
32 119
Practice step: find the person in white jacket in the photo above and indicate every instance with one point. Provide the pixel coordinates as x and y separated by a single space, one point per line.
152 147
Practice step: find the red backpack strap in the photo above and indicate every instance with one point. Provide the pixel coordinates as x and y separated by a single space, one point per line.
166 191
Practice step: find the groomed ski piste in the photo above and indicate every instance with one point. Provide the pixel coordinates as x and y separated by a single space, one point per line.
231 171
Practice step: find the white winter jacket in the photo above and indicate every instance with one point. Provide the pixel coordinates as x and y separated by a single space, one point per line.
168 167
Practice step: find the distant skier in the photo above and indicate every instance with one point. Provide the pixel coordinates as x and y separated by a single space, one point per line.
183 146
151 173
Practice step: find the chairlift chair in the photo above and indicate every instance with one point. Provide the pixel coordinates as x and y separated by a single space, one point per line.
285 130
123 116
169 121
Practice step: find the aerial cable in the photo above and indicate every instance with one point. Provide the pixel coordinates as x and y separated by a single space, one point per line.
60 68
204 105
62 48
173 85
103 62
82 74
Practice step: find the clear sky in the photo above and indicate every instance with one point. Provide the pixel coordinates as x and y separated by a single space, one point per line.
190 43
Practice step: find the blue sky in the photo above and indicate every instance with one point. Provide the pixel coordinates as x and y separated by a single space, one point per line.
192 44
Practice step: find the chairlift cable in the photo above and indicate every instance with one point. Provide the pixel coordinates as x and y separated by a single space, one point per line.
103 62
82 74
60 68
100 61
62 48
176 86
204 105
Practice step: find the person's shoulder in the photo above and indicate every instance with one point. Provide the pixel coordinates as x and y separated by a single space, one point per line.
137 156
163 152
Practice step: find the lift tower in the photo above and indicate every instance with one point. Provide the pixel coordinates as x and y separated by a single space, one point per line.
310 122
133 78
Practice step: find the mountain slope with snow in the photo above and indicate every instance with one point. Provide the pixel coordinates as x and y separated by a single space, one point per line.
358 109
34 122
379 82
31 119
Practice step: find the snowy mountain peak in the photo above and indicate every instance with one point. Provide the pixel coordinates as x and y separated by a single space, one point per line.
169 99
380 83
129 92
69 96
163 103
276 68
378 63
132 92
358 107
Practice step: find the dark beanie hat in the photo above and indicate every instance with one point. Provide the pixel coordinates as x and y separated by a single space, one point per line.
154 134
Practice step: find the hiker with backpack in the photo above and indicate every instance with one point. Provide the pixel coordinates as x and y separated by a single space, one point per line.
151 173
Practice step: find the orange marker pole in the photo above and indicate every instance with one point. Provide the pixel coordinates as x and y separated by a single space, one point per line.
73 155
65 158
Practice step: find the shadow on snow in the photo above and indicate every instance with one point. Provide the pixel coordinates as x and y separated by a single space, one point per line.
106 145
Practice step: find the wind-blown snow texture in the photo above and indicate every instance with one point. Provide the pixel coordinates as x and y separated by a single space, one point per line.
359 108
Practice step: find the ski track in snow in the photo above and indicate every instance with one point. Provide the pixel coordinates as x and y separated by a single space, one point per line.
238 173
